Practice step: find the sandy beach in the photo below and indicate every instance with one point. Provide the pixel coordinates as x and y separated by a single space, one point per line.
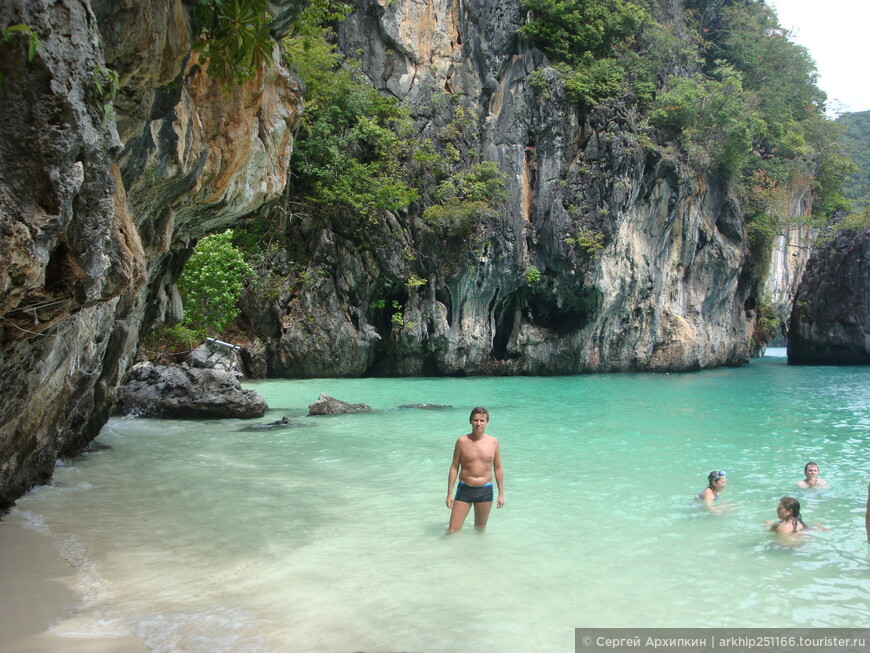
38 587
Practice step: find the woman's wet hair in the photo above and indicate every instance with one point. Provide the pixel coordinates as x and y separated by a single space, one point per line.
794 506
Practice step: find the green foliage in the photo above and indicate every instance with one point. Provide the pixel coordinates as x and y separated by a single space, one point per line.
712 118
175 339
856 140
750 105
467 198
855 222
28 33
415 282
588 241
482 182
318 14
767 203
569 30
791 139
594 80
396 319
233 35
212 283
592 39
827 160
533 275
458 218
766 323
107 83
352 142
25 31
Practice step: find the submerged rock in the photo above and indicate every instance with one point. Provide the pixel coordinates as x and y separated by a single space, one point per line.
283 423
182 393
326 405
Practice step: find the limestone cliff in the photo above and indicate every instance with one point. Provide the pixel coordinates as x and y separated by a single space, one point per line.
100 197
671 289
830 323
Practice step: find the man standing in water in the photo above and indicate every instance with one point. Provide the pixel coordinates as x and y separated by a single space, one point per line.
476 457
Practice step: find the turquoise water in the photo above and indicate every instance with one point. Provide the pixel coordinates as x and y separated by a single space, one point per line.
329 536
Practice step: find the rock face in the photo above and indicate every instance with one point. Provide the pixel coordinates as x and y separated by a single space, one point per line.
830 323
101 199
668 290
179 392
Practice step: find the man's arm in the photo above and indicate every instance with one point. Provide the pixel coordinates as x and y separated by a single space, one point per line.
499 475
451 476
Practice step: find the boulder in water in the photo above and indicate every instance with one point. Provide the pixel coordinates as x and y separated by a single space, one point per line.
180 392
326 405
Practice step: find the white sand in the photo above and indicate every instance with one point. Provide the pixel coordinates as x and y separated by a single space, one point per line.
36 586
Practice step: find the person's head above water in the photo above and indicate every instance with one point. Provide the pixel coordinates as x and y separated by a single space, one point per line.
811 477
789 508
716 479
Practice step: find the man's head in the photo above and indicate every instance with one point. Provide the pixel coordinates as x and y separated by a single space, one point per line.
811 470
479 410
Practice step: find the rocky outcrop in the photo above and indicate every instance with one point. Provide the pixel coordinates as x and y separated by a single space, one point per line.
830 323
326 405
642 260
102 195
181 392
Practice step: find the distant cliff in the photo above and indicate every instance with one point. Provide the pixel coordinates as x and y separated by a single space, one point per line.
830 323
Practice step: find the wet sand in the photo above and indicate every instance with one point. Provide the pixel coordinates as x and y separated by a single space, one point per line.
37 588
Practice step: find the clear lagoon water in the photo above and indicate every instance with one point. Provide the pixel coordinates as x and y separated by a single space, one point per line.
328 536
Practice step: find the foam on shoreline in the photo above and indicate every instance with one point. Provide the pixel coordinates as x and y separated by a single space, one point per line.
38 590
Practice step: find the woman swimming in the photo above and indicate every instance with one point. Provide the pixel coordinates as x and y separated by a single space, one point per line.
789 513
715 484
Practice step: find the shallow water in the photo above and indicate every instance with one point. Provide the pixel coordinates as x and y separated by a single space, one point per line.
329 535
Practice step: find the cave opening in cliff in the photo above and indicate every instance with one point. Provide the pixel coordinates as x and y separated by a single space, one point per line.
568 316
61 272
505 318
